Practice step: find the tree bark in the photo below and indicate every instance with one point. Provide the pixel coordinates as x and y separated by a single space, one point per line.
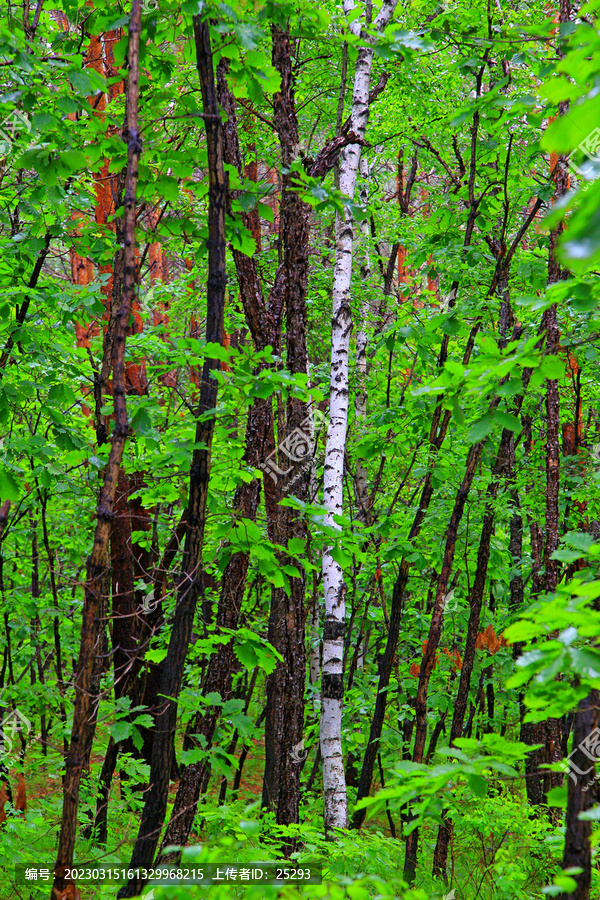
435 631
475 604
332 679
82 730
560 176
220 666
265 326
284 720
189 586
578 850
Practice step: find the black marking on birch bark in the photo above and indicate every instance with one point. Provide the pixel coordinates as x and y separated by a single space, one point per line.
333 630
332 686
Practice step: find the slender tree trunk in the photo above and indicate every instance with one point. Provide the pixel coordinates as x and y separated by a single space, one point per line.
57 645
360 402
265 327
504 465
435 631
332 687
97 563
220 666
578 850
35 594
475 604
436 437
285 686
189 585
560 176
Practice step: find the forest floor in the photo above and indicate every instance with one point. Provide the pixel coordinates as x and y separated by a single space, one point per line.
496 854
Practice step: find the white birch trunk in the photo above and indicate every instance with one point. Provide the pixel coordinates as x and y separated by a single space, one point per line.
360 401
315 617
334 780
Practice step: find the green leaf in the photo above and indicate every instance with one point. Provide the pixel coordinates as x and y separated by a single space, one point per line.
508 421
189 757
9 489
581 540
478 785
481 428
121 730
295 546
558 797
136 738
341 558
552 367
590 815
141 421
266 212
168 188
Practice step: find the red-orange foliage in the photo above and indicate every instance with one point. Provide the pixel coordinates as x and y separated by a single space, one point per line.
488 640
21 799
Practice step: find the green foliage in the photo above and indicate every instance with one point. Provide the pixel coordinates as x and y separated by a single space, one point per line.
478 93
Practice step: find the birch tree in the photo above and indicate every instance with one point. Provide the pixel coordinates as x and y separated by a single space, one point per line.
334 782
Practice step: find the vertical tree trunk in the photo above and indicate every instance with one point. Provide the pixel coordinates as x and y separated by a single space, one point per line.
332 687
473 458
220 666
532 733
57 645
435 630
475 604
360 402
35 594
189 585
284 720
578 850
560 175
97 563
265 325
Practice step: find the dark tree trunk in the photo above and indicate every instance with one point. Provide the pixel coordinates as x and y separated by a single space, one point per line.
578 851
220 666
91 630
265 327
284 721
532 733
560 176
189 585
56 630
125 629
439 427
433 639
475 604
